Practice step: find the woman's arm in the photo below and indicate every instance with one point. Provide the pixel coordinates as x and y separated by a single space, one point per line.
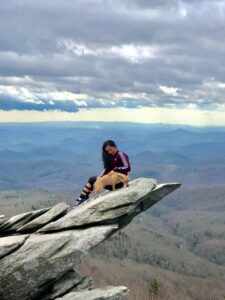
103 173
125 161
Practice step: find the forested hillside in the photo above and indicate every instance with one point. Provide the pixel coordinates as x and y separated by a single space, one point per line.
179 241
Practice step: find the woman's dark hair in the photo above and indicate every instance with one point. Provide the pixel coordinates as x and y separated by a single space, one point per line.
106 157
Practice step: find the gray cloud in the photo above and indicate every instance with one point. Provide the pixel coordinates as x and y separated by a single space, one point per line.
104 49
7 103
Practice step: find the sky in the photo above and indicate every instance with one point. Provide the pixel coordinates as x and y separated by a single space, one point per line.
149 61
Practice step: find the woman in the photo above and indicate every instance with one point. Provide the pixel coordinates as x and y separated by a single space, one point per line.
113 161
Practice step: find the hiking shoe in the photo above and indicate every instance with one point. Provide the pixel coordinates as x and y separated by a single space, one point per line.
80 200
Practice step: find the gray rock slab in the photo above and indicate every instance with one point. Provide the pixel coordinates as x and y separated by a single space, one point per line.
108 207
2 219
10 243
105 293
43 259
15 222
159 192
84 284
71 281
41 265
51 214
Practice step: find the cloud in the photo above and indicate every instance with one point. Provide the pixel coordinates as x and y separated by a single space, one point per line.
133 53
20 98
95 53
8 104
168 90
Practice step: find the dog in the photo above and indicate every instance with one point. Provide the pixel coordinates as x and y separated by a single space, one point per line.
109 179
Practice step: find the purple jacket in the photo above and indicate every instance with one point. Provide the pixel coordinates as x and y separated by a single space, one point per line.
119 163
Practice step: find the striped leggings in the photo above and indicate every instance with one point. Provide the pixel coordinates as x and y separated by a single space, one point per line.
89 187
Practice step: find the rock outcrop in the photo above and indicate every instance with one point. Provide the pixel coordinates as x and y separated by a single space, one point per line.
39 250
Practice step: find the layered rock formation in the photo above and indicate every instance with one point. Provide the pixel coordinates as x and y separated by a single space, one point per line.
39 250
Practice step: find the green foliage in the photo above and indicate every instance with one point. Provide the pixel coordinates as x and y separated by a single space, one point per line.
154 287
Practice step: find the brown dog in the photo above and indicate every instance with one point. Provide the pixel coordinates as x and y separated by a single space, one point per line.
109 179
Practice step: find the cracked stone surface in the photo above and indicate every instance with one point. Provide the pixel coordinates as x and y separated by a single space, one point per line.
9 243
56 211
2 219
112 293
39 250
17 221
